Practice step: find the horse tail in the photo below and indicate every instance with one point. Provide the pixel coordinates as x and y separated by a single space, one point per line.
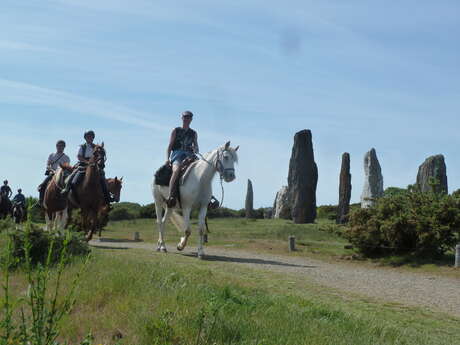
177 220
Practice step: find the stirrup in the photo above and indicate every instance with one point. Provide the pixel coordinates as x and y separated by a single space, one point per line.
171 202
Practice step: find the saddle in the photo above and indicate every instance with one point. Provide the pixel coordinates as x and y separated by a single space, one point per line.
163 176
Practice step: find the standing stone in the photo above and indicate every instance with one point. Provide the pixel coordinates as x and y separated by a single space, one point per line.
373 179
303 179
433 169
282 208
249 201
344 190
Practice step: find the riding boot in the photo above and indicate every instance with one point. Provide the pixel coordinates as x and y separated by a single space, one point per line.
107 197
173 194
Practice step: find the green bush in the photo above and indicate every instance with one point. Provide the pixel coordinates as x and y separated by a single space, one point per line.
327 212
421 224
147 211
40 243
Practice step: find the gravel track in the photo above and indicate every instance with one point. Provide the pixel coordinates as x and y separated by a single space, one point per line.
410 289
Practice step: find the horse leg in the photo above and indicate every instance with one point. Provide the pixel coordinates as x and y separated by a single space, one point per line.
161 227
92 224
48 219
201 230
183 240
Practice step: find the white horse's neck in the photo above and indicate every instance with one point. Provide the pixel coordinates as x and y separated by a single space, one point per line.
205 169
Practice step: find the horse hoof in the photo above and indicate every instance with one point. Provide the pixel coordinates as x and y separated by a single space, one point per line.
158 249
164 250
179 248
201 256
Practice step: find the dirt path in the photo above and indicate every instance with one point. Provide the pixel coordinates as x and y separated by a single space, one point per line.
411 289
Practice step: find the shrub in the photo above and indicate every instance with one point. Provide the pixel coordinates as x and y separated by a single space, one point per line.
327 212
147 211
422 224
42 242
36 318
125 211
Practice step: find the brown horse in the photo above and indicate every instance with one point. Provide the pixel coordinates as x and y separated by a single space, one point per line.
54 203
89 193
19 213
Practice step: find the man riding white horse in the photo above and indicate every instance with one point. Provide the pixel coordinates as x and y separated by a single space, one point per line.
52 164
183 144
85 153
195 192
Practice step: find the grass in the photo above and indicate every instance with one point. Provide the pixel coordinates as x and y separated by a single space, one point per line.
320 241
138 297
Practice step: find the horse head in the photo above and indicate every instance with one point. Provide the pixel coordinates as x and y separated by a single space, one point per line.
99 156
226 160
114 186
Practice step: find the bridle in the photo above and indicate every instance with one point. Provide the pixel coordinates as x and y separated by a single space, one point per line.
219 166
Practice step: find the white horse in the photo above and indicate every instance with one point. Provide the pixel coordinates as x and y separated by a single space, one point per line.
195 192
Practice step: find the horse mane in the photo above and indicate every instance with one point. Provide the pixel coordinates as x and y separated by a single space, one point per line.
222 148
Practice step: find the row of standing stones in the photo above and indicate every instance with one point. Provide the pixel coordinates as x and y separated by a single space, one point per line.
297 200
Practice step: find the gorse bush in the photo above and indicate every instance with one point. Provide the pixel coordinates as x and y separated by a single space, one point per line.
35 319
421 224
40 247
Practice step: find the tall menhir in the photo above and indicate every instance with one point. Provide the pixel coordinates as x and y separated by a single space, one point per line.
344 190
303 179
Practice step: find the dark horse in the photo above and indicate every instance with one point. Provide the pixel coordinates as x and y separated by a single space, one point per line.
5 206
19 213
90 195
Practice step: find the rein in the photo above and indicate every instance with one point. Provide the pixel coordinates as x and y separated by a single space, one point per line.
219 168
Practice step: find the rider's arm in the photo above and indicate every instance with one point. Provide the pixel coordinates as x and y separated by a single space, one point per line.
195 144
10 192
48 163
171 143
81 155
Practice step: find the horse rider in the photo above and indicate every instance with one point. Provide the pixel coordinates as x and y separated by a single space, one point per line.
85 153
183 144
6 190
19 199
52 164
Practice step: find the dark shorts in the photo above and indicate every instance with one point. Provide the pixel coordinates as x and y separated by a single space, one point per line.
178 156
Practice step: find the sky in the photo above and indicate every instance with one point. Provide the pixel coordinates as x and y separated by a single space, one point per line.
358 74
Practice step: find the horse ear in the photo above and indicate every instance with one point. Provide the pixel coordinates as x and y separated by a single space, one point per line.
227 145
236 148
116 178
121 179
102 145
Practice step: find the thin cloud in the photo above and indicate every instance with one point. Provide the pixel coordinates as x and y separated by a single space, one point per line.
14 92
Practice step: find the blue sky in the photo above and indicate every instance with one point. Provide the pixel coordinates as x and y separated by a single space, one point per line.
359 74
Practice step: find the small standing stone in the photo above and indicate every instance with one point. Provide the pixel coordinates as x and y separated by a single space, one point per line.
344 190
282 207
292 243
434 168
373 180
249 201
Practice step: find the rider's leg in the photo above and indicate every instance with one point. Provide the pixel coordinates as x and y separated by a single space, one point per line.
42 189
73 176
172 185
105 189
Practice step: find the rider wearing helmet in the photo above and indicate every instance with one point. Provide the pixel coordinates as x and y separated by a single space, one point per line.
53 162
19 199
183 143
85 153
6 190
